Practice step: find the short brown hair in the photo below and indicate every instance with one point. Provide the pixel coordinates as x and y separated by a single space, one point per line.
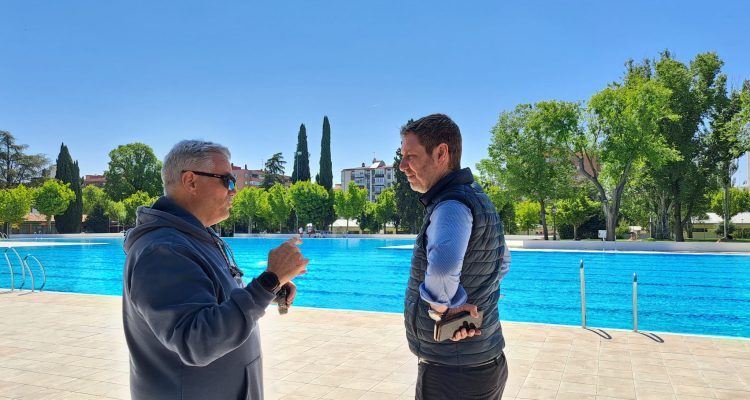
435 129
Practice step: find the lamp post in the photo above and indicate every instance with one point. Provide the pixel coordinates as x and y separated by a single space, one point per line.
554 222
650 226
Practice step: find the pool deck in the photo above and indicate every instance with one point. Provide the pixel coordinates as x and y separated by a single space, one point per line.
71 346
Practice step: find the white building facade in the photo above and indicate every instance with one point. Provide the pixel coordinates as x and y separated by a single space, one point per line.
374 177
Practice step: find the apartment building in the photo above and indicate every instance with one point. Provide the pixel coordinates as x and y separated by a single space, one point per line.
374 177
96 180
252 177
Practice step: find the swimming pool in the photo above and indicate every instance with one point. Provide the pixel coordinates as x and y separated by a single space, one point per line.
685 293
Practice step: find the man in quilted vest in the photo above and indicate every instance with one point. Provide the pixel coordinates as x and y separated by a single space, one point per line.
458 261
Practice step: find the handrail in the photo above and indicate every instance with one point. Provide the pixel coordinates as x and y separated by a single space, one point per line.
10 267
635 302
583 298
30 274
23 270
41 267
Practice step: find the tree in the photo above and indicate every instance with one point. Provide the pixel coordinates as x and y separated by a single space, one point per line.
367 220
280 202
527 215
326 169
410 210
248 203
325 175
115 210
505 205
52 198
135 200
132 168
385 208
622 135
351 203
743 118
356 199
301 171
93 195
264 220
68 172
693 92
228 226
16 166
97 220
274 170
310 201
527 150
740 202
646 204
729 136
15 204
575 211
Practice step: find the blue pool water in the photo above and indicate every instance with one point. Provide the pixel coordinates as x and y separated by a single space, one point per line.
686 293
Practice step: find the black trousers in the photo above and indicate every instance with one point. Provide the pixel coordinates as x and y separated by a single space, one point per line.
438 382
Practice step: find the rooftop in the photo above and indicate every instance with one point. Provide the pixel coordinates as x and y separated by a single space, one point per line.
71 346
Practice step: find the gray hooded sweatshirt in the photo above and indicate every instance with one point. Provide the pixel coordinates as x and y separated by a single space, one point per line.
190 326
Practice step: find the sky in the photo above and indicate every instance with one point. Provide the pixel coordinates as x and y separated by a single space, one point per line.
98 74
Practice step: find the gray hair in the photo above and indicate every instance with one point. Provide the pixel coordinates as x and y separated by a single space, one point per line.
187 155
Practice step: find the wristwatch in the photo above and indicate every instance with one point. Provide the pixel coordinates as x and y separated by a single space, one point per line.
269 281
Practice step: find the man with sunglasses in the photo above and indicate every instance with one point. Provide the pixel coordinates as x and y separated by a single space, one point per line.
191 324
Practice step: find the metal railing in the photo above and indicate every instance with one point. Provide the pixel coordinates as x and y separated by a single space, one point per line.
25 268
583 299
635 302
10 270
41 268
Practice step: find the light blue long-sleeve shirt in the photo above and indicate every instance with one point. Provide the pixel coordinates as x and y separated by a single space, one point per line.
447 240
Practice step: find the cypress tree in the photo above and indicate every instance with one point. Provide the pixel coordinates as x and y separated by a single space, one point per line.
68 172
97 221
301 171
326 169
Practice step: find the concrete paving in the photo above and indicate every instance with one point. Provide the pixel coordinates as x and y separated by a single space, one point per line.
71 346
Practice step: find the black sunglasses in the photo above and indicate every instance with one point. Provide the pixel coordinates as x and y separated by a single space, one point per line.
228 179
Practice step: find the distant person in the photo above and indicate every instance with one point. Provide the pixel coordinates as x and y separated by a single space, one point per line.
191 324
458 261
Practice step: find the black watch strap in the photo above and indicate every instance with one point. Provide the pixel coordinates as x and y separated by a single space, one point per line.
269 281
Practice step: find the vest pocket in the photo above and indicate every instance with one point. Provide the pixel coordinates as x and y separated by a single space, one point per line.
254 380
410 312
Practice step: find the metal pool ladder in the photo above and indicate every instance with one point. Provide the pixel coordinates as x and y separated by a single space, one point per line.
24 269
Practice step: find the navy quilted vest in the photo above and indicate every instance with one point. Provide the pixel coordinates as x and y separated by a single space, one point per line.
479 277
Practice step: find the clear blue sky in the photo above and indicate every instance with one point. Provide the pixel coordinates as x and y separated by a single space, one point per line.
95 74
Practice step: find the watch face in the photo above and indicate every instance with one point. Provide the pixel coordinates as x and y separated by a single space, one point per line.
269 281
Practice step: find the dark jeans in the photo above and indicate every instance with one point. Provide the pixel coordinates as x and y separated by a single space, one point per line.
437 382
